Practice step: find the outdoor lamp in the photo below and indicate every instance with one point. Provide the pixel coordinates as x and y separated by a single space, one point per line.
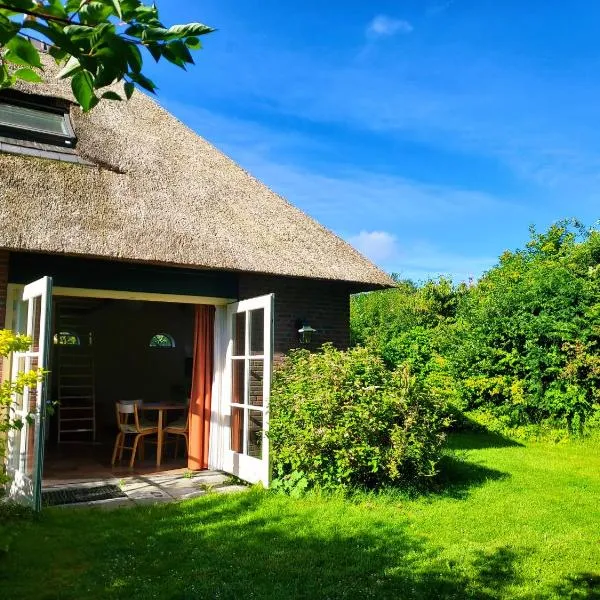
305 333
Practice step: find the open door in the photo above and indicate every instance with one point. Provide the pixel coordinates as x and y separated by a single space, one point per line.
26 445
248 376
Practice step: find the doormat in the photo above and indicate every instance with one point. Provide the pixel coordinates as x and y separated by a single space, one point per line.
77 495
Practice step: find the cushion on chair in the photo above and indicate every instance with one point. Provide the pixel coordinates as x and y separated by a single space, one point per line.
180 424
145 427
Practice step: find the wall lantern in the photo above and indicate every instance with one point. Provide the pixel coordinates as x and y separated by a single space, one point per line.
305 333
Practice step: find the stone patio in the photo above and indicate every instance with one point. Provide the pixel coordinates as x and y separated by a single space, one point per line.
153 488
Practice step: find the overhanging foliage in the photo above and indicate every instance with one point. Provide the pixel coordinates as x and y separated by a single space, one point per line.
98 42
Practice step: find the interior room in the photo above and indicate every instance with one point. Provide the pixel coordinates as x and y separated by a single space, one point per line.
106 351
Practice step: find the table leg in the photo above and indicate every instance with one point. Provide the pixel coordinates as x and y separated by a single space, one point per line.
159 443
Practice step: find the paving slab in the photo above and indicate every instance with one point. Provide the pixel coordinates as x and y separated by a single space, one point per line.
155 488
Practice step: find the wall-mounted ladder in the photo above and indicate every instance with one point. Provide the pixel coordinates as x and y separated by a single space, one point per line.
75 372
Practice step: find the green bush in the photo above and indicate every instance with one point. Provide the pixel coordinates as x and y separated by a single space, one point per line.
342 419
527 336
521 345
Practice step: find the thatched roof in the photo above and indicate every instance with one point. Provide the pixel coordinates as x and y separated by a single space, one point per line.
157 192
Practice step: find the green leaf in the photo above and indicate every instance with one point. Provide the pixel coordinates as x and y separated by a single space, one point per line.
193 43
56 9
154 34
117 5
155 50
22 4
5 78
106 74
57 53
8 29
70 68
180 51
93 13
73 5
79 32
129 89
134 30
111 96
143 81
22 52
134 58
82 85
189 29
27 75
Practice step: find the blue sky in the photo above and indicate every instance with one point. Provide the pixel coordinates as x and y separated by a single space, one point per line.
430 133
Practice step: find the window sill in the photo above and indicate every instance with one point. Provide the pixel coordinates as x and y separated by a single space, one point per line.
39 150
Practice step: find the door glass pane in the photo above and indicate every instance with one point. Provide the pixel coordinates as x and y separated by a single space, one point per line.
255 427
14 449
20 367
239 334
32 404
20 324
257 331
36 305
237 381
237 429
256 382
30 431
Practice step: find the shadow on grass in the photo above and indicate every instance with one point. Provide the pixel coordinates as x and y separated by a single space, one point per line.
480 440
253 545
457 477
583 586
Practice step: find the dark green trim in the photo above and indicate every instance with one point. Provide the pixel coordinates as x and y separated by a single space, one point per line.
68 271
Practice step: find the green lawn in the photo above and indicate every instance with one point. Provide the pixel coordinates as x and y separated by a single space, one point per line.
509 521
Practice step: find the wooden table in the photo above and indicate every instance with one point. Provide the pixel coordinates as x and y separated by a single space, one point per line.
161 407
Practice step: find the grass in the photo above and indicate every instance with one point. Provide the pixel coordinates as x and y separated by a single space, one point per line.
508 521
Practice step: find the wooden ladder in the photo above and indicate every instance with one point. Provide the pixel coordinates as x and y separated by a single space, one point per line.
75 366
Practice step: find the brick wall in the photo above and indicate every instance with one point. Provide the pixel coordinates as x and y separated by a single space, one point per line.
324 305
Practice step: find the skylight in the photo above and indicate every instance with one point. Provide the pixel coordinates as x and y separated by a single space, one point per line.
36 123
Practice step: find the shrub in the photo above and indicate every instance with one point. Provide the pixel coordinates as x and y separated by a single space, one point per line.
341 419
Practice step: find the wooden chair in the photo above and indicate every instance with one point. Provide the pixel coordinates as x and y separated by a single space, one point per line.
139 428
180 427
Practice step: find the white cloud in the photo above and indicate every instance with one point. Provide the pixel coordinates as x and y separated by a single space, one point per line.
384 26
418 260
379 246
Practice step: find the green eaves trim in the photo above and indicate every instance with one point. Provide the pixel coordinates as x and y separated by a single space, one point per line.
88 273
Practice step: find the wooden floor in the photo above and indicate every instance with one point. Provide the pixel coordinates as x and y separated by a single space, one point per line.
80 462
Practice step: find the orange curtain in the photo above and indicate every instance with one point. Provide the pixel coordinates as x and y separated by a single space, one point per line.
202 377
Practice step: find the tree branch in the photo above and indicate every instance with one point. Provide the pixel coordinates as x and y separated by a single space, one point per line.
32 13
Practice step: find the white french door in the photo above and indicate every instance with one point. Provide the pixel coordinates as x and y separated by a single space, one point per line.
247 388
32 315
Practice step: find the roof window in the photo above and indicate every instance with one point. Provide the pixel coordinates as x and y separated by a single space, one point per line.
34 121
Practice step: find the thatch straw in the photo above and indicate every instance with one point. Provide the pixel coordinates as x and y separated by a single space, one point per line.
159 193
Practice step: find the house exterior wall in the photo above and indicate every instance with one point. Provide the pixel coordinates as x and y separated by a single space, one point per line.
324 305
